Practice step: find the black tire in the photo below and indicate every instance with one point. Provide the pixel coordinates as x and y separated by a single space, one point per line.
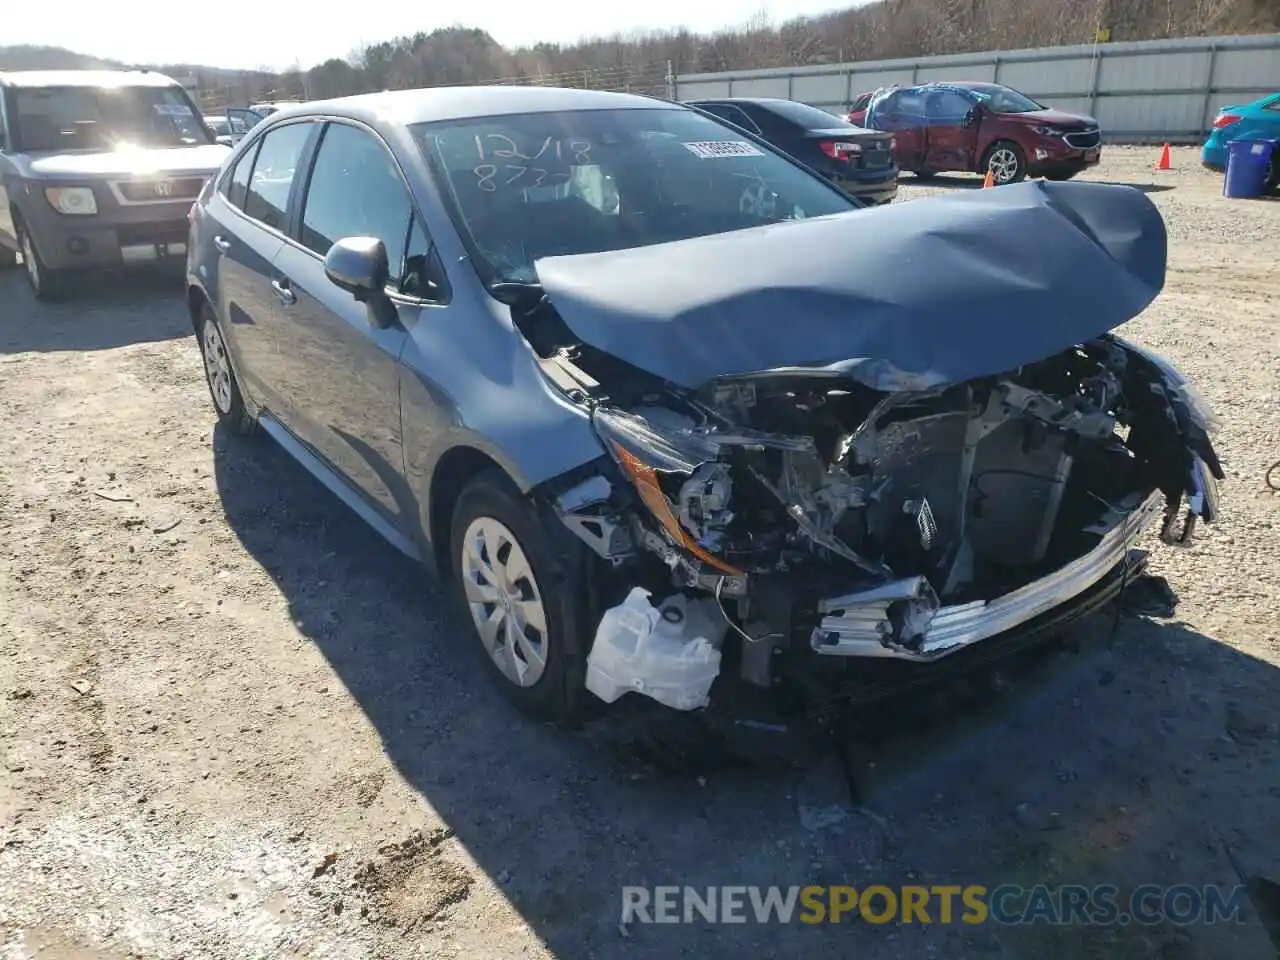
8 258
559 692
925 174
1061 177
228 401
1012 172
47 285
1272 182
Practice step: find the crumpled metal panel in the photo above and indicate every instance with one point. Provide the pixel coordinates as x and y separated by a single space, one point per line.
903 297
862 631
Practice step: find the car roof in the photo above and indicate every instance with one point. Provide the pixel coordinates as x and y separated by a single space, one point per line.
86 78
460 103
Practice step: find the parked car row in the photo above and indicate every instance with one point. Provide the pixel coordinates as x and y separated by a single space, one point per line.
96 205
671 413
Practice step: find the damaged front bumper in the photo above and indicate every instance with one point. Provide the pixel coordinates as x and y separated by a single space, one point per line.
865 624
809 518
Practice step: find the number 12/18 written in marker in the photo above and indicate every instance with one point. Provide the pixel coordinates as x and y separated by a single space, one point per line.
502 147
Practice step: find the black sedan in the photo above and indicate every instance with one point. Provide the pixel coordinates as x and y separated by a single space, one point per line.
860 161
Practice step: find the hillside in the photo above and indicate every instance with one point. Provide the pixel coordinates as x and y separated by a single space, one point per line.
887 28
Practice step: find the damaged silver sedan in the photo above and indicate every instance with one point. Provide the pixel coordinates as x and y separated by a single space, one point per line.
678 420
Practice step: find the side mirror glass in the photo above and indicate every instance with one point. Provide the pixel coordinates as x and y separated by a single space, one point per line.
358 265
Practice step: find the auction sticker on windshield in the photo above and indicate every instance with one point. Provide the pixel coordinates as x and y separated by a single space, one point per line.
710 149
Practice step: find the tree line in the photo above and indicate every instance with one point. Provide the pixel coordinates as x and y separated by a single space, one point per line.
639 62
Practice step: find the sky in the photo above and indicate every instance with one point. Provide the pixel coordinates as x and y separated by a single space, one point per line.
253 33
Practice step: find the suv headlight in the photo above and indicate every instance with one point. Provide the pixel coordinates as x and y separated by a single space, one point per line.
75 201
1047 131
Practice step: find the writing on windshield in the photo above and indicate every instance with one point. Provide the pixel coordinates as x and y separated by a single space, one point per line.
528 186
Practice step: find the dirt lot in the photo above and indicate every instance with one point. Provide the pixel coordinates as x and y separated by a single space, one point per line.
233 723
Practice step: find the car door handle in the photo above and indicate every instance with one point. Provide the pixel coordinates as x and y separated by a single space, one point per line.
287 296
222 244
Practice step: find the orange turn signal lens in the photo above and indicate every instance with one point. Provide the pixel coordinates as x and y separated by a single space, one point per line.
645 479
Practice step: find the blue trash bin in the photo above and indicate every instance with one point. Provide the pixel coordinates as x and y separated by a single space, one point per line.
1247 162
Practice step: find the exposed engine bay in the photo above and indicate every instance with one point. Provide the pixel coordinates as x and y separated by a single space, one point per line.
824 517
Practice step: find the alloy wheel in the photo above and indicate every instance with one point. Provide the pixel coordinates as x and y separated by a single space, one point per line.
1003 164
505 600
216 366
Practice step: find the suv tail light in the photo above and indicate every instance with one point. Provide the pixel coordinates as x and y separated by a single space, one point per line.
1225 120
840 149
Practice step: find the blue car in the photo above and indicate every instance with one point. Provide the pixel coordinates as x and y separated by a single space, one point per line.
1259 120
671 415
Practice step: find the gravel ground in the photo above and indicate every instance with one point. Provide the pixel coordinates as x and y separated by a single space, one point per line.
233 723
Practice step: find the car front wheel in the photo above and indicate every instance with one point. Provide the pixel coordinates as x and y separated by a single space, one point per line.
46 284
228 401
1006 161
523 599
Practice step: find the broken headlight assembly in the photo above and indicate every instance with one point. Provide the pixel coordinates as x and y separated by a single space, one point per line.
676 476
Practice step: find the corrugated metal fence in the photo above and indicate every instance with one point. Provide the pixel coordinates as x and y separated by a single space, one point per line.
1148 90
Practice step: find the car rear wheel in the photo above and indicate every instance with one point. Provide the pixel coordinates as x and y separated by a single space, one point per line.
1273 171
228 401
523 601
1006 161
46 284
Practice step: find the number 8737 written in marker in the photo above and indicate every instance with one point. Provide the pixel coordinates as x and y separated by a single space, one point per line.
503 164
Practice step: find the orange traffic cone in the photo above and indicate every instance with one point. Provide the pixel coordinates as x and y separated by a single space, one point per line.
1164 163
989 180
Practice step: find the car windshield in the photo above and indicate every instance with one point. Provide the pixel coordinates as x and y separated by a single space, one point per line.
1004 100
104 118
545 184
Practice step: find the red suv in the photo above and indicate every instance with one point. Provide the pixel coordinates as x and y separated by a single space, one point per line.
979 126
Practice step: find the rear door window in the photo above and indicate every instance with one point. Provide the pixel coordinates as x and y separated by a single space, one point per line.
267 197
236 186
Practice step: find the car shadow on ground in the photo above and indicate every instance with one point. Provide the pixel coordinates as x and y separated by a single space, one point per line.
101 311
962 181
1120 763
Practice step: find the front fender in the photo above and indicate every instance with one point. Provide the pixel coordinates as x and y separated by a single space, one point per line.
470 382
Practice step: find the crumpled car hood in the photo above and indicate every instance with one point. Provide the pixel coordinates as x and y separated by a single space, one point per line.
904 297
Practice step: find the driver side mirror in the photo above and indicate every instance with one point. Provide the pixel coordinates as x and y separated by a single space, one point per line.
359 266
970 118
